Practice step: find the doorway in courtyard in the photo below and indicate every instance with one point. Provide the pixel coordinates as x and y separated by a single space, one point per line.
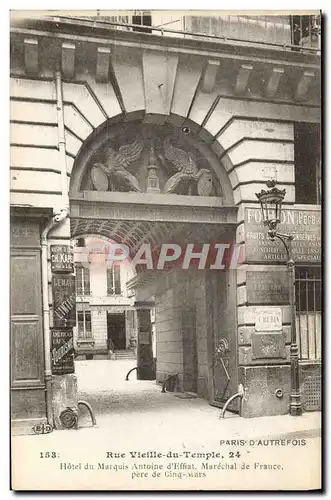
155 208
116 331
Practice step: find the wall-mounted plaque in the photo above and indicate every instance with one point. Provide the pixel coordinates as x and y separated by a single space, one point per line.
24 233
304 224
268 345
267 287
144 337
62 350
64 300
62 258
268 319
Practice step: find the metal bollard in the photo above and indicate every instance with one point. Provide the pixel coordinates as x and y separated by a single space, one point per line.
89 407
164 385
127 375
238 394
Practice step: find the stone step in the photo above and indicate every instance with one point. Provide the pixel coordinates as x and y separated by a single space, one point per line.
124 355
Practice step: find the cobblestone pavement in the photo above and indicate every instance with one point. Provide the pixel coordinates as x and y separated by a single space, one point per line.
114 400
135 417
102 383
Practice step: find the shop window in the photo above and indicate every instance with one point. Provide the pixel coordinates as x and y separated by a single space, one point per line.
114 280
307 163
118 19
84 324
112 19
144 18
82 281
272 29
308 312
305 31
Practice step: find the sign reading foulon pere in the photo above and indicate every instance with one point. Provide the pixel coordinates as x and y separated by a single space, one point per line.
304 224
62 258
268 319
62 351
267 287
64 300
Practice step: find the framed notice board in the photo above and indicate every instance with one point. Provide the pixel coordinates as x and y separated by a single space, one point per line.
62 351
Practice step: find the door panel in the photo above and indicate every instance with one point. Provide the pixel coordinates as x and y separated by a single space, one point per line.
27 346
25 349
222 307
25 282
26 328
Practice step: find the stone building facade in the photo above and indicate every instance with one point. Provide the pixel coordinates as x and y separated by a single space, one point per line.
141 135
106 319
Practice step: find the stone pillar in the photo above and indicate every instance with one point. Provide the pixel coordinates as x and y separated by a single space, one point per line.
263 340
259 149
264 315
264 308
145 361
64 386
65 398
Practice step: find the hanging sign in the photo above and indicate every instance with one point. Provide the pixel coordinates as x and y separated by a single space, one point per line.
62 258
64 300
305 226
62 351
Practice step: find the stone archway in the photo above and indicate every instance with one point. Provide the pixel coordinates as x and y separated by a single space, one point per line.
137 182
167 148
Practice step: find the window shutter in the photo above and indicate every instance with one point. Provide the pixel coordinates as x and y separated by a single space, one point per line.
80 318
87 290
88 323
117 272
79 287
110 281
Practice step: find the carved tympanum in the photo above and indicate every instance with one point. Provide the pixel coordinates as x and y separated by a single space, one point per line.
150 159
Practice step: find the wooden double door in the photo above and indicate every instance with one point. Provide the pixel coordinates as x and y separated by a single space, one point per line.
28 398
222 337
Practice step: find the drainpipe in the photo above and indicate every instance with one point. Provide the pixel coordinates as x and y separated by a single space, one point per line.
54 221
61 137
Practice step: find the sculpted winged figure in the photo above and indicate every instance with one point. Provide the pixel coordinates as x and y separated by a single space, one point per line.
187 172
116 163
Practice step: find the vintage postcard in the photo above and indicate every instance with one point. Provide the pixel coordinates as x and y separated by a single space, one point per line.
165 201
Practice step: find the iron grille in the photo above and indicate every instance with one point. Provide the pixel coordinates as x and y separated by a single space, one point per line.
312 393
308 312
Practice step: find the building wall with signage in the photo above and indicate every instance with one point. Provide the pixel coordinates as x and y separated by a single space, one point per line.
262 287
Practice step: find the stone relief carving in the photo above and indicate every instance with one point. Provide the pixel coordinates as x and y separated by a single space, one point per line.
187 172
115 165
153 163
